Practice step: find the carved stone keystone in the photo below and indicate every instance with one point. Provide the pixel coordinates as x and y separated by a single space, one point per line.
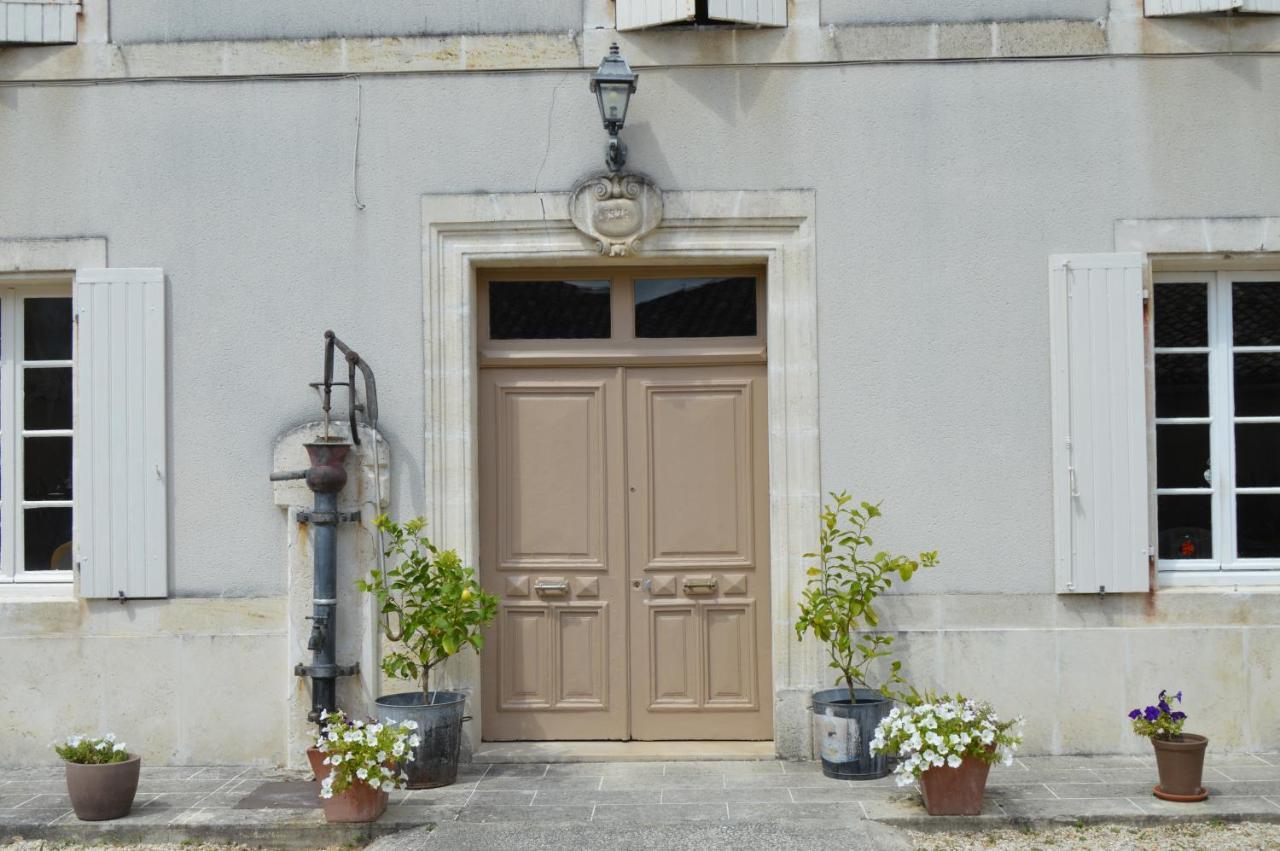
616 210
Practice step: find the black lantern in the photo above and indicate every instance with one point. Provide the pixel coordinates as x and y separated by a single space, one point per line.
614 82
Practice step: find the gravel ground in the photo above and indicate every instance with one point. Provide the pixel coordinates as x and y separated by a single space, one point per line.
1210 836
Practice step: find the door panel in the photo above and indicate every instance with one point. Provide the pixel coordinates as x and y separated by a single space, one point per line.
698 531
552 550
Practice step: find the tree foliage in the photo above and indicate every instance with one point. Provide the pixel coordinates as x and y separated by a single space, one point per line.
837 603
436 600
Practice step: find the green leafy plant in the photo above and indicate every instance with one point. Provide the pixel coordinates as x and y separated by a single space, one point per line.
1161 721
836 605
92 750
438 604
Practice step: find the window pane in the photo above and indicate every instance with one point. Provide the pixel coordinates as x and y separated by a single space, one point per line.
46 328
1257 381
47 397
47 468
48 538
1258 525
1182 315
1255 313
1258 455
1182 456
1182 385
696 307
548 310
1185 526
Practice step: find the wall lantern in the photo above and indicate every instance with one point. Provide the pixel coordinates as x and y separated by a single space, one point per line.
614 82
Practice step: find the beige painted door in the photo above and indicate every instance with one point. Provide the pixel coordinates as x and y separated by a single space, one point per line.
624 529
552 549
698 553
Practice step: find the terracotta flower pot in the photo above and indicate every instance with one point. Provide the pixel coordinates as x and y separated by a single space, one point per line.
101 792
360 802
1180 761
955 791
316 757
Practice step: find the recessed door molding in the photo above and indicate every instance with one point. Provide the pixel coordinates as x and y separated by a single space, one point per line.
463 234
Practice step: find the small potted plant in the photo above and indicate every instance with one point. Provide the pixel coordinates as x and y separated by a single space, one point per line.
102 776
364 761
836 606
1179 755
948 744
439 609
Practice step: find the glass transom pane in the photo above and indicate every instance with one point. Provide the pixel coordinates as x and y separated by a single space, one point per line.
548 310
46 328
1181 315
696 307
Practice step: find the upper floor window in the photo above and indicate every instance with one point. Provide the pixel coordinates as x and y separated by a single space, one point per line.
35 433
641 14
1217 420
1170 8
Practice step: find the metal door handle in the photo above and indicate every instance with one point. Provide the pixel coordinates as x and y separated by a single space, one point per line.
560 587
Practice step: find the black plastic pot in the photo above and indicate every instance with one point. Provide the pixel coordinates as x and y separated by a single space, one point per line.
843 729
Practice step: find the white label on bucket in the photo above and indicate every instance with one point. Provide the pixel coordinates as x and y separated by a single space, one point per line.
838 737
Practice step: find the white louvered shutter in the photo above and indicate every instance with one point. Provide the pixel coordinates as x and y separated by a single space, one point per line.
1098 366
1166 8
638 14
765 13
39 22
121 481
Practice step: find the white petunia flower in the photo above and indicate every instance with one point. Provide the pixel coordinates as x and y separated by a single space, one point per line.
414 741
375 783
119 746
362 773
954 761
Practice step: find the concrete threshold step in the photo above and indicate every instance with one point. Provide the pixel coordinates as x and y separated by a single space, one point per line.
707 751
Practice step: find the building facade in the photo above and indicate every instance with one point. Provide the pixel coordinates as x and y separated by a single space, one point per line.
1013 269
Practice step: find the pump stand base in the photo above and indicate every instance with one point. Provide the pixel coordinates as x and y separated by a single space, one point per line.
326 671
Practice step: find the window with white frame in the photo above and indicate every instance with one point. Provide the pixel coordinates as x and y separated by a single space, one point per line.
1217 421
35 432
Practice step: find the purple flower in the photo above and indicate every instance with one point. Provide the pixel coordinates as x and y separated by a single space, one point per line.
1135 713
1164 707
1179 697
1152 714
1178 716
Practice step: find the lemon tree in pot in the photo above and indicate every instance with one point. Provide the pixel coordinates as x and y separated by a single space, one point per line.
948 744
102 776
438 609
1179 755
837 606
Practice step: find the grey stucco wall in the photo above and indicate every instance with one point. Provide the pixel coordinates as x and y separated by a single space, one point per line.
204 20
941 192
926 11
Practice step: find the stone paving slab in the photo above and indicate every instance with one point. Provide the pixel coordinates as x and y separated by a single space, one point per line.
254 806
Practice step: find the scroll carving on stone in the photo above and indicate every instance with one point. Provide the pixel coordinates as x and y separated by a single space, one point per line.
616 210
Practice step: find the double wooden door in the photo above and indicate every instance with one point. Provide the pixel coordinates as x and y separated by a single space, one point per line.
624 529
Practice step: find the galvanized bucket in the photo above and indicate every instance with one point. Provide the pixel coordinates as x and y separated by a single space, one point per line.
435 759
843 729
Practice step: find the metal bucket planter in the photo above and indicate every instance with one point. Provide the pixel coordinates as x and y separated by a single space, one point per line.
435 759
843 729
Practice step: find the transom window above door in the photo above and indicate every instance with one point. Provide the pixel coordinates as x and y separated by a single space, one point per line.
648 314
1217 421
